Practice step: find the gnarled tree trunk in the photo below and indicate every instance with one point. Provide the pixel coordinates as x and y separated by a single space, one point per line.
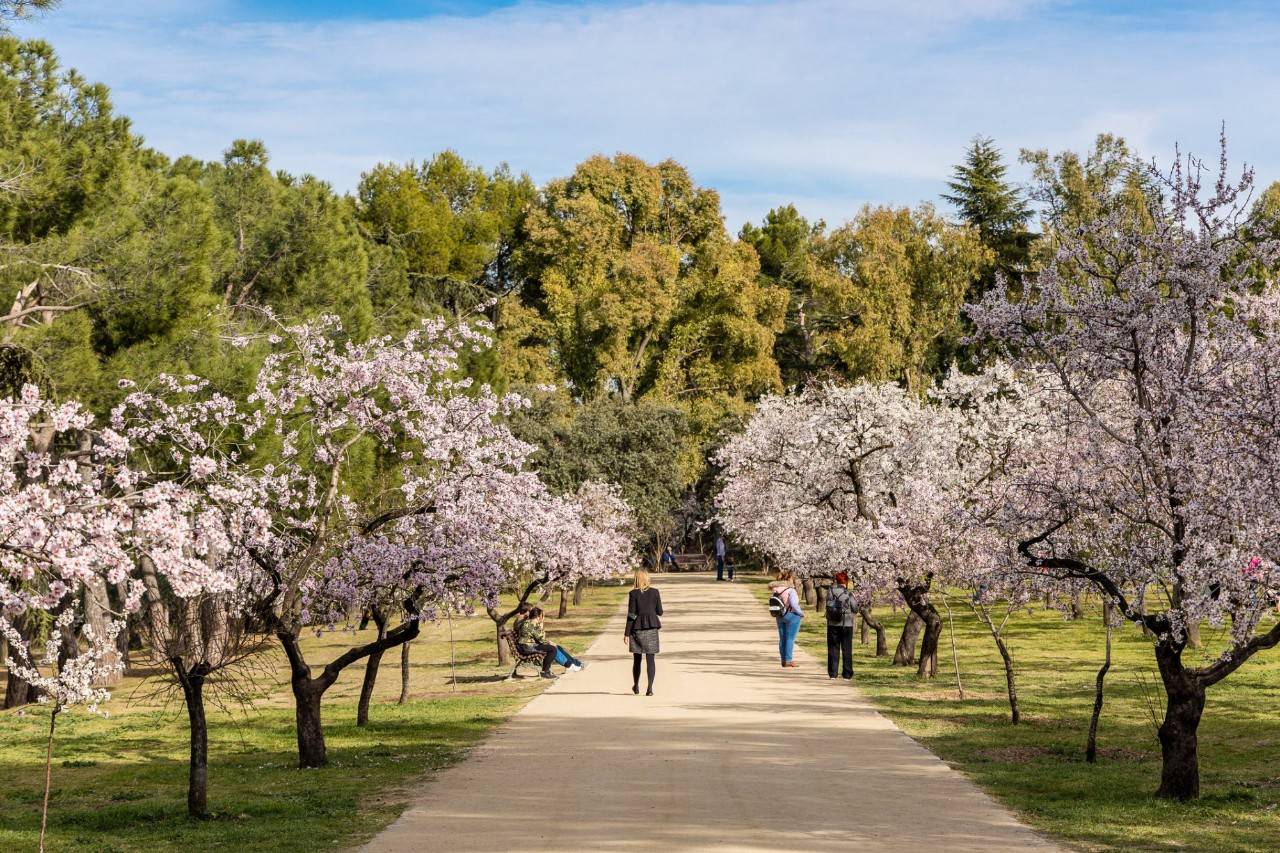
917 598
1179 742
564 605
868 620
905 653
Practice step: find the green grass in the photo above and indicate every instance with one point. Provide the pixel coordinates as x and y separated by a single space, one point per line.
1037 768
119 783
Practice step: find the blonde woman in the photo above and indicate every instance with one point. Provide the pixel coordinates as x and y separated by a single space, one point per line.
644 606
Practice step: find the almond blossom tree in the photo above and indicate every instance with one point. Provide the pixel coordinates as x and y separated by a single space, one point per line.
77 518
288 454
1160 487
847 477
554 542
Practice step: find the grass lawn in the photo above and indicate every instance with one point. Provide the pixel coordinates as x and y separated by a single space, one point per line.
1037 768
119 783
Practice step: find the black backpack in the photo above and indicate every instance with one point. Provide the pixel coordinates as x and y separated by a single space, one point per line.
837 604
777 607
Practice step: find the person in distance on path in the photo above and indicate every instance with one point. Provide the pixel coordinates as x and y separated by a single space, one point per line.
792 614
531 637
840 610
644 606
721 550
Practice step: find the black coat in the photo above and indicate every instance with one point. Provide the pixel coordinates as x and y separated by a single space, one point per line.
643 609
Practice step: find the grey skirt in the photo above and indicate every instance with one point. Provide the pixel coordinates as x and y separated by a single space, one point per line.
644 641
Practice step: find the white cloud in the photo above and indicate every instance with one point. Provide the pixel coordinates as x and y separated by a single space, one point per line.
820 100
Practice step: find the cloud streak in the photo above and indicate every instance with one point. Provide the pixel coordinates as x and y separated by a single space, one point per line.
833 102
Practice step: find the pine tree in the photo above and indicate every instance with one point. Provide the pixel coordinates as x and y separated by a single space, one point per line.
996 208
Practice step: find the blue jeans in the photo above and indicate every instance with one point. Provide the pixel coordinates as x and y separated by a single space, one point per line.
788 627
720 568
564 658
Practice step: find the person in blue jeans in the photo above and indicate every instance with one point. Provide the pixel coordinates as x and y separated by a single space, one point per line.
721 552
789 621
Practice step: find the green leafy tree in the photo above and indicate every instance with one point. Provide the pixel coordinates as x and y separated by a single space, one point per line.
793 257
903 276
1073 191
988 202
286 243
633 288
638 445
450 224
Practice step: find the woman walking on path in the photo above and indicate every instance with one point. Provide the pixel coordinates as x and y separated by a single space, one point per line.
644 606
792 613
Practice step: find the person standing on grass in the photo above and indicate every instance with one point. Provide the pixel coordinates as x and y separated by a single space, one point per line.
721 550
531 637
790 614
644 606
840 610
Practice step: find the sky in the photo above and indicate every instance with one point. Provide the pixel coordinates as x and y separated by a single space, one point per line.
828 104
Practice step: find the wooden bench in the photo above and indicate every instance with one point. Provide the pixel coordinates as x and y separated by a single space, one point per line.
521 657
692 562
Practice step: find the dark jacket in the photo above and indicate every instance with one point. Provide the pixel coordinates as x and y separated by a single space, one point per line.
643 609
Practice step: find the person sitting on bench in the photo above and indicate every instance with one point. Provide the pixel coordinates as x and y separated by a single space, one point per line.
531 637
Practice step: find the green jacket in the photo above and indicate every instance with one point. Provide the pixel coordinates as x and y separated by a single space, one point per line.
529 633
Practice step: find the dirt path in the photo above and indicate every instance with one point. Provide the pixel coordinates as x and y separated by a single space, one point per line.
733 753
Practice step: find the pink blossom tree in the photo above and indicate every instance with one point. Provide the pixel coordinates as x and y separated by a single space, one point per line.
848 477
553 542
286 458
78 518
1158 485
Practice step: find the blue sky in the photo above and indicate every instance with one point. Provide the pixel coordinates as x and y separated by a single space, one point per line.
826 103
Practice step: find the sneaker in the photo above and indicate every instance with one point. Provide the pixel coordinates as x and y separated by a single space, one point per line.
582 664
547 675
573 667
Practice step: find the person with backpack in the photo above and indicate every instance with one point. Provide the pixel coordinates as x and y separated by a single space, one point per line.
784 604
840 613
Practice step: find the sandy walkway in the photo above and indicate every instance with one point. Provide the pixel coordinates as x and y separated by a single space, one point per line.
733 753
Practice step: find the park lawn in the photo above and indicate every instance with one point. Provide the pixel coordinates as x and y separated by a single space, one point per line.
119 783
1037 768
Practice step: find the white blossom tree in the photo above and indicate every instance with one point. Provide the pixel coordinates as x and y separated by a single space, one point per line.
1158 486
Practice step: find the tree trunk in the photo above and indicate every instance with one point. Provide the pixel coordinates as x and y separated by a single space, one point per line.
864 633
404 674
1180 769
366 688
1091 748
311 746
564 605
371 668
917 598
1077 604
16 691
504 653
822 593
1010 683
882 643
905 654
192 683
927 664
806 587
577 591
